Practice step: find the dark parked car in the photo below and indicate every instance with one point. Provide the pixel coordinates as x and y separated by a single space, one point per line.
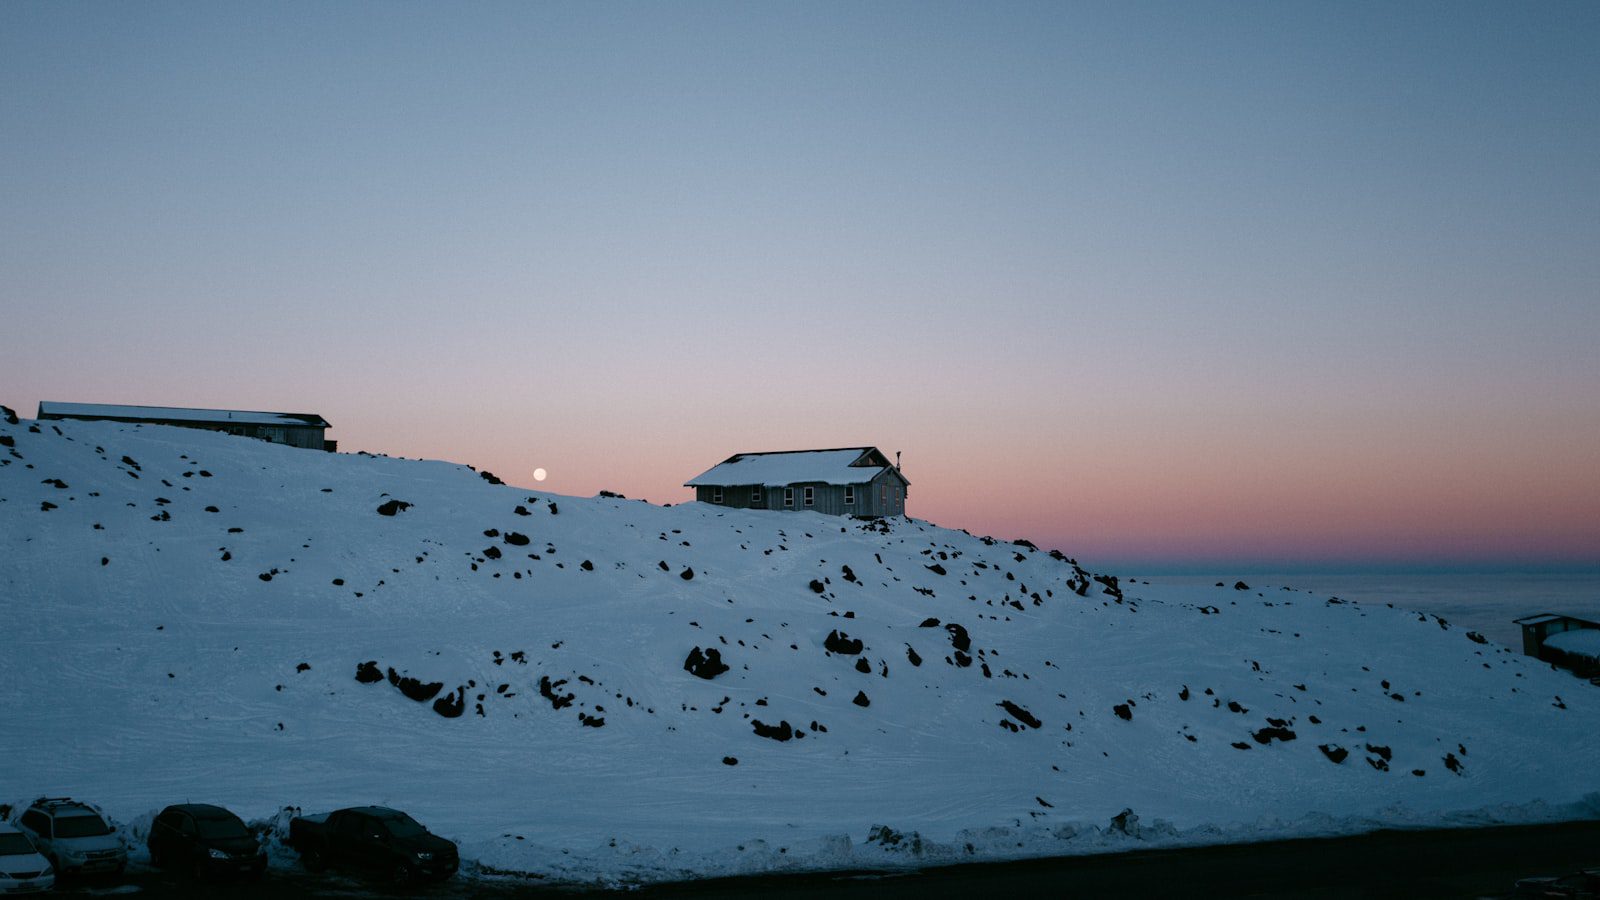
374 838
207 841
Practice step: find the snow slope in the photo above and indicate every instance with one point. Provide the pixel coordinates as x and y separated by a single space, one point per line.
184 614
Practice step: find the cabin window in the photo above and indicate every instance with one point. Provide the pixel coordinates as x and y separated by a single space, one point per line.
755 494
716 495
788 496
883 495
849 495
811 496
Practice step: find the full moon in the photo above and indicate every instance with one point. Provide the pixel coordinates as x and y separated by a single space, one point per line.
539 474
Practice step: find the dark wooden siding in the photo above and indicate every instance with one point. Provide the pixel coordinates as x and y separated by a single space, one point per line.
877 498
739 497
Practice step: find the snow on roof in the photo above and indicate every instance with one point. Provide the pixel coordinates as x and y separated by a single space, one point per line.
54 409
791 467
1539 619
1581 641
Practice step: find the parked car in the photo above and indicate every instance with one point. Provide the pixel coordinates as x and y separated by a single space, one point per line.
380 840
206 840
1582 885
23 869
73 836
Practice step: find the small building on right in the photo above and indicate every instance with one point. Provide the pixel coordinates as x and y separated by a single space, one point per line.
844 481
1565 641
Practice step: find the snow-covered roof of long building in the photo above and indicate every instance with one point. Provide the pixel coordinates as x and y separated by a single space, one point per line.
56 409
845 465
1582 641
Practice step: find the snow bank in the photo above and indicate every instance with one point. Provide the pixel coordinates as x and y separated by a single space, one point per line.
188 613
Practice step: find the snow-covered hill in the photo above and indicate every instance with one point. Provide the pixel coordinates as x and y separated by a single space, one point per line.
184 616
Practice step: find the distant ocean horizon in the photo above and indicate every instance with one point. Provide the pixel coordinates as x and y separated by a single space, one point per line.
1481 601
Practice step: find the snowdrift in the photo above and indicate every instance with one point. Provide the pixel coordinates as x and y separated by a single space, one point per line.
604 690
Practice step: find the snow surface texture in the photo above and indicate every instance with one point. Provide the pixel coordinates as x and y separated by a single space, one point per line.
186 614
1583 642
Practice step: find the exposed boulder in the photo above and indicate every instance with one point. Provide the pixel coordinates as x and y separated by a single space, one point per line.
1268 735
1020 714
838 642
547 690
451 706
705 664
782 731
415 688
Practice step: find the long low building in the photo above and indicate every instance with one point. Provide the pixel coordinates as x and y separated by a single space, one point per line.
846 481
305 430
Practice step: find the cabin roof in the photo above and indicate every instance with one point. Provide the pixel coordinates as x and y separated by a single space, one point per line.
843 465
56 409
1542 618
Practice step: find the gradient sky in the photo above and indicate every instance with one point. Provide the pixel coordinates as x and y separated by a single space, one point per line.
1293 283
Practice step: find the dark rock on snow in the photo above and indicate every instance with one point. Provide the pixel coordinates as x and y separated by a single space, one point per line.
782 731
1268 735
393 506
1020 714
837 642
451 706
705 664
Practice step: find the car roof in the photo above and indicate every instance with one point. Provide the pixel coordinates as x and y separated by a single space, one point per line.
63 806
201 810
380 812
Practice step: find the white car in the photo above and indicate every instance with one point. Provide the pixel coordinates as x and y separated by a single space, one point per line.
23 869
73 836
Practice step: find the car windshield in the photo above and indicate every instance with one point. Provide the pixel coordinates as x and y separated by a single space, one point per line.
13 844
80 826
222 828
403 826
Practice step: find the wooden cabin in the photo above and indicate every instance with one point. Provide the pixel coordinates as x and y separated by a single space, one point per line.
845 481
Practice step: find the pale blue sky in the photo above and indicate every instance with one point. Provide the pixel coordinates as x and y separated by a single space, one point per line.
1202 265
